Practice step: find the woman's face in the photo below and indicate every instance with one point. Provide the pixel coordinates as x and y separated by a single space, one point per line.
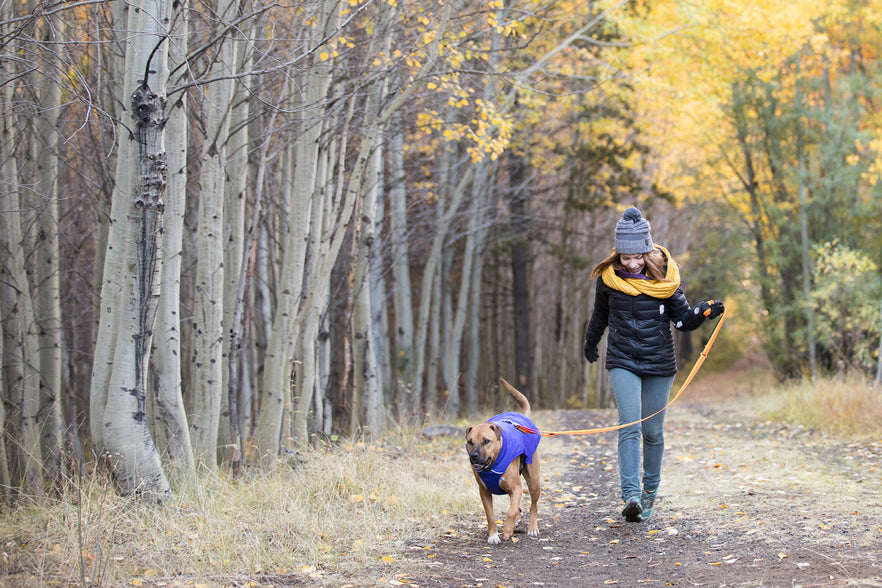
634 262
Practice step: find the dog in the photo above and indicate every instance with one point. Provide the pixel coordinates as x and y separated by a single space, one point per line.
500 453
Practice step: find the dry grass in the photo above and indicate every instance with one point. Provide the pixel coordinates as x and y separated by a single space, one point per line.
846 406
338 511
327 516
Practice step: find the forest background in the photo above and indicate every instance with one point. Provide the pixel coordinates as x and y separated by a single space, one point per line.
232 229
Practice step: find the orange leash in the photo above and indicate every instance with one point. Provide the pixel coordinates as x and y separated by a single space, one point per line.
686 383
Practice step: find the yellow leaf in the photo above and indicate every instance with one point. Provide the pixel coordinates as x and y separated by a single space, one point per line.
614 541
356 498
136 582
388 559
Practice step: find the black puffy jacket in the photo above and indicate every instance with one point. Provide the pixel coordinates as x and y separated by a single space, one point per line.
640 338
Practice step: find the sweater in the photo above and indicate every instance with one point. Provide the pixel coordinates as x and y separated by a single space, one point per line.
515 444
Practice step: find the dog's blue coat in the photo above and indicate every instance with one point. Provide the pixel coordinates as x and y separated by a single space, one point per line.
515 443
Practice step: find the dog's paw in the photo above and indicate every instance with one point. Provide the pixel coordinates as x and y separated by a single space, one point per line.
533 534
494 539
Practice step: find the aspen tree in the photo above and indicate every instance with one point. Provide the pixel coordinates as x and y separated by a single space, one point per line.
170 419
132 267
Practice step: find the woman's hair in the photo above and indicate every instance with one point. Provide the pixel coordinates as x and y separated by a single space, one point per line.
656 265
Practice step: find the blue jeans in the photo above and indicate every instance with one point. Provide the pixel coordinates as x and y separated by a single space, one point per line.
638 397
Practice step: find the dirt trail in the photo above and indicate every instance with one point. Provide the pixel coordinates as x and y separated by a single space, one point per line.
742 503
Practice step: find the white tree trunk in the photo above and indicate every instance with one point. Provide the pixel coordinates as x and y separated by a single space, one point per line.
315 307
21 347
5 477
234 233
366 378
132 264
47 304
170 422
208 306
445 218
279 354
409 401
478 233
110 269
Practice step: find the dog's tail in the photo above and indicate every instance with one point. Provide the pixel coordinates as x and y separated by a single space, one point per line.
523 403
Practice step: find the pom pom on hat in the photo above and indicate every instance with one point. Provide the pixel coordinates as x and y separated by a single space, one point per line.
632 233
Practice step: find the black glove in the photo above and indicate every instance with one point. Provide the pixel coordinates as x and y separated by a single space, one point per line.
590 352
710 309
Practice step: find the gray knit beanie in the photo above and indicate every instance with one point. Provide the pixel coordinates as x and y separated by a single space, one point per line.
632 233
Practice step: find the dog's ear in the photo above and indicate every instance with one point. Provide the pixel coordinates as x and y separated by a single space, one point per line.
468 432
498 430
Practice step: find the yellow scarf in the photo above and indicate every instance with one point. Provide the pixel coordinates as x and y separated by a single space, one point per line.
654 288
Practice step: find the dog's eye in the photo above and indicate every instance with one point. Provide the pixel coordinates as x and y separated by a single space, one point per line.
486 442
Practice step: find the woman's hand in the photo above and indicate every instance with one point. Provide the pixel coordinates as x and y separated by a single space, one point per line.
710 309
590 352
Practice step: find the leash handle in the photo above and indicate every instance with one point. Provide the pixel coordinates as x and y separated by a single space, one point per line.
702 356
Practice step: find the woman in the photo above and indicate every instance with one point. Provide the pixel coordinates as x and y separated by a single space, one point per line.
638 296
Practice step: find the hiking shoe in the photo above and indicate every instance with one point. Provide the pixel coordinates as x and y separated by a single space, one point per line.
647 499
632 509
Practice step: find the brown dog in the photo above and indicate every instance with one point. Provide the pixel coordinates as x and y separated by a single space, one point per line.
499 453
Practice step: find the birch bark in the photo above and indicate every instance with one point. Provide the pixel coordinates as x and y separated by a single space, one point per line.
208 306
21 385
170 422
408 400
279 354
236 185
132 266
366 373
47 301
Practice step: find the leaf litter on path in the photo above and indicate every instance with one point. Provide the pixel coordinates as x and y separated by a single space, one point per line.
741 503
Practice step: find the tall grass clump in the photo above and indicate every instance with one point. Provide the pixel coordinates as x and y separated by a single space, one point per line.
324 514
843 406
